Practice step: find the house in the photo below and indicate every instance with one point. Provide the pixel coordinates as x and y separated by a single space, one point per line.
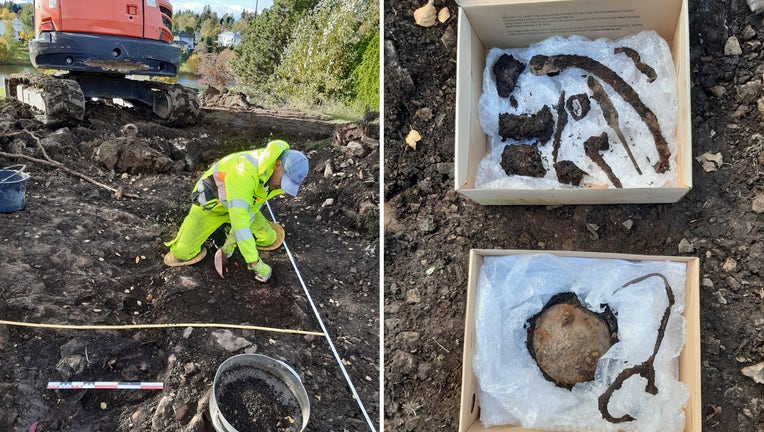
184 41
229 39
18 27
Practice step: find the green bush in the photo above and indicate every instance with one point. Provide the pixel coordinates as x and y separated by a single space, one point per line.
365 77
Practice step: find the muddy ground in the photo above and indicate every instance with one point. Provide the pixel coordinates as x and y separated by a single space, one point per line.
429 228
79 254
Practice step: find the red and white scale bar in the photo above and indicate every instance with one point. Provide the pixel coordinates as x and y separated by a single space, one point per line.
104 385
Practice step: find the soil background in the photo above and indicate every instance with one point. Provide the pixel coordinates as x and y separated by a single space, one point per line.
429 228
80 254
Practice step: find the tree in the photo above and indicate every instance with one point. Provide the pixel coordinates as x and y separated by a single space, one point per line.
265 39
26 16
215 68
365 77
184 21
317 64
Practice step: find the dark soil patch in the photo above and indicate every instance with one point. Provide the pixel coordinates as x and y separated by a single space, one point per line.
429 228
79 254
252 400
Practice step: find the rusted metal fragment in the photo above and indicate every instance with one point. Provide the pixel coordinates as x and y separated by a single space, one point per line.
506 70
562 120
569 173
522 159
567 340
592 147
578 105
645 369
545 65
646 70
611 115
525 127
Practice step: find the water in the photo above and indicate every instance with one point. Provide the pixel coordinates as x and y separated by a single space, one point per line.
186 79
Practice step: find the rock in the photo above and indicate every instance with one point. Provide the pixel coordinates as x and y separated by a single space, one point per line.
196 424
328 202
402 362
749 92
424 113
409 337
707 283
755 5
760 105
427 15
732 47
328 170
412 296
356 149
710 162
229 342
720 297
187 332
163 415
756 372
685 246
627 224
427 225
718 91
748 33
758 204
729 265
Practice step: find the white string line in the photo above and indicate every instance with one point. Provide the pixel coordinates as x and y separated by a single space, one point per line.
323 328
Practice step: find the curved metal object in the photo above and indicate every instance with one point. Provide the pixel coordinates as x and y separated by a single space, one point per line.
546 65
647 368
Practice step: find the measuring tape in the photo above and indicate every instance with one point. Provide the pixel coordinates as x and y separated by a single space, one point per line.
104 385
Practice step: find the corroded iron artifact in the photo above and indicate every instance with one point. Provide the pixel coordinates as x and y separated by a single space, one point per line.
566 340
592 147
578 105
569 173
562 120
550 65
523 127
522 159
645 369
506 70
611 115
646 70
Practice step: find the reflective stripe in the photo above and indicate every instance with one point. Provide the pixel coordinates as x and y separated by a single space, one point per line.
242 234
237 203
251 159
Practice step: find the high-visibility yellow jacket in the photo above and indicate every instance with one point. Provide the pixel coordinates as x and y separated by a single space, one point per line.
241 183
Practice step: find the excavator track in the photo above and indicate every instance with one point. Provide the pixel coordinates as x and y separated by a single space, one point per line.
54 100
175 105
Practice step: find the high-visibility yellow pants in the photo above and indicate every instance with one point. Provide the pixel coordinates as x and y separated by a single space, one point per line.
200 223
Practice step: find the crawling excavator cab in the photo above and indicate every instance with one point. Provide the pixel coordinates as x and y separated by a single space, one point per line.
94 47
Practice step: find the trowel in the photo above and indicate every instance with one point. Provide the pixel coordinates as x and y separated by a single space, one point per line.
220 261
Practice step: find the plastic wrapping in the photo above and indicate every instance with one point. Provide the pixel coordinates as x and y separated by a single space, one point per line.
533 92
512 389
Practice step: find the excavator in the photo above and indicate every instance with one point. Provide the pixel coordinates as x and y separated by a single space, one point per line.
103 50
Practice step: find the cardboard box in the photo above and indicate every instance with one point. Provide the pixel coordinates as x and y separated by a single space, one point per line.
485 24
689 359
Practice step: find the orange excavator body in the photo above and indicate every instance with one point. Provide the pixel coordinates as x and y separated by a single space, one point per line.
100 44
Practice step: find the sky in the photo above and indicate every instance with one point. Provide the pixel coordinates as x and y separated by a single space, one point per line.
222 7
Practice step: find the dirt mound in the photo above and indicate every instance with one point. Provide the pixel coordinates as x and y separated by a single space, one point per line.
82 252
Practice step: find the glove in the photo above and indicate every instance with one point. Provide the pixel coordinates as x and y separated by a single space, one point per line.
262 270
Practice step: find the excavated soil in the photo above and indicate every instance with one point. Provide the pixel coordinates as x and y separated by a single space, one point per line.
429 228
80 254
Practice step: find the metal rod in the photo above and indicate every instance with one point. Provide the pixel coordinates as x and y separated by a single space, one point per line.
323 328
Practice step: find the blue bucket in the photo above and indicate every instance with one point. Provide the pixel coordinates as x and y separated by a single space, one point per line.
13 185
